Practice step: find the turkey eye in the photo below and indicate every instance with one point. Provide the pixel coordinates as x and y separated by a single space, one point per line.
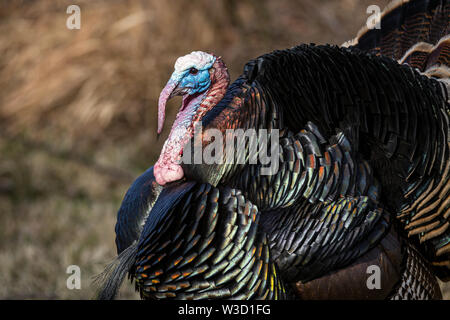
193 71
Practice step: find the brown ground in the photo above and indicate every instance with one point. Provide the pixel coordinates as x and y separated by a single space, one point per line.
78 113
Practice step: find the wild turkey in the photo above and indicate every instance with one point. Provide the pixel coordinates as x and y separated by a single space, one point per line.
363 177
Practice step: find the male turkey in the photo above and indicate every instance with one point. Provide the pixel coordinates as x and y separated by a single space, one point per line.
362 182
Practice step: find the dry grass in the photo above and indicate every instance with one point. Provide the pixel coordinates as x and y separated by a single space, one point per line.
78 116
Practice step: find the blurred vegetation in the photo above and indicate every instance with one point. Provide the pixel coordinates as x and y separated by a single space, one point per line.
78 113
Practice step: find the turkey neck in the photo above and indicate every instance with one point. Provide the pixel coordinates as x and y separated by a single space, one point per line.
220 79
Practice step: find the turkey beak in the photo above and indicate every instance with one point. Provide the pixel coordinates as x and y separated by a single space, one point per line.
170 90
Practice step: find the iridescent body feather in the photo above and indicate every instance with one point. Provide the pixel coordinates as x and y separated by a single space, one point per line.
363 174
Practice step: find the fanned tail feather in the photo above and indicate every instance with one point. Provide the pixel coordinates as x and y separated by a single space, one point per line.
416 33
412 32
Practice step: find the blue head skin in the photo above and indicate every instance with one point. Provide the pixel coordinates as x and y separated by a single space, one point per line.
194 81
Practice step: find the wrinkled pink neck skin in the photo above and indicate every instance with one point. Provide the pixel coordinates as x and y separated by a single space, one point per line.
168 167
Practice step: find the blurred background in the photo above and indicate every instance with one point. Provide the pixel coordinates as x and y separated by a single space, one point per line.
78 113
